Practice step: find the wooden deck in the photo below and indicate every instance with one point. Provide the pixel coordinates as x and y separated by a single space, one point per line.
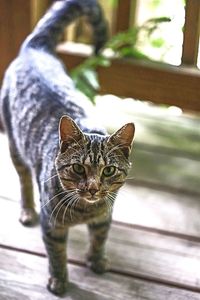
154 242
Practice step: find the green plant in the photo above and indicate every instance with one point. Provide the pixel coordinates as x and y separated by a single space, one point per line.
85 75
124 44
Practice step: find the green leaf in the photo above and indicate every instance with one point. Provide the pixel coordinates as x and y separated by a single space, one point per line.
113 2
158 20
157 43
85 89
103 61
155 3
91 77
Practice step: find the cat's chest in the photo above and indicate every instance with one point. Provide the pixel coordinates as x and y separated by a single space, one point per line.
70 216
65 208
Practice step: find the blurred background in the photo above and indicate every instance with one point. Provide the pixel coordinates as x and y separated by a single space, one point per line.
148 74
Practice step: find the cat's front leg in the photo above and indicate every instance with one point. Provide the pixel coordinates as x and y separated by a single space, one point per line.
55 240
97 259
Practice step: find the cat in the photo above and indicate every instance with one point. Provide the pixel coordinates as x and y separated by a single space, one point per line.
78 167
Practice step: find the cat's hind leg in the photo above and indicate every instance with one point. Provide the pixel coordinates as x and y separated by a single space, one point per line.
97 259
28 215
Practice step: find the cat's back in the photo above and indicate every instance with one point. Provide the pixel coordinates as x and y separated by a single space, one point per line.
34 73
37 91
35 83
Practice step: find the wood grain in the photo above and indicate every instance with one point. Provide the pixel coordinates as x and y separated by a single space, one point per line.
24 276
15 25
151 256
145 80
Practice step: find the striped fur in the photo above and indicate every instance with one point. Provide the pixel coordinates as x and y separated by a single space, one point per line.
52 135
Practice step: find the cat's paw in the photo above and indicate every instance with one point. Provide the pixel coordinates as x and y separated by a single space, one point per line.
98 265
57 286
28 217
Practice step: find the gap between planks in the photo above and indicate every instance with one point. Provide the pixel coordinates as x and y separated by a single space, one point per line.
83 284
132 275
178 235
153 246
142 228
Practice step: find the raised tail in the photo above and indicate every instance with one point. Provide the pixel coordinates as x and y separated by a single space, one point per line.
48 30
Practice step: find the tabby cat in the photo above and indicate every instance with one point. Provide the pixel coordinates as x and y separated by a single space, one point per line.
78 167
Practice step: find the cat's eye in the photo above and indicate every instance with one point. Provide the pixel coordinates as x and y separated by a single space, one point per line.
78 168
109 171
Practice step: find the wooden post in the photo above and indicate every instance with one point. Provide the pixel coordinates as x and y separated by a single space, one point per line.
15 25
122 16
191 32
38 9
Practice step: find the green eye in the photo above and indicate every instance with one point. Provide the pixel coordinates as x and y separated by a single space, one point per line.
109 171
79 169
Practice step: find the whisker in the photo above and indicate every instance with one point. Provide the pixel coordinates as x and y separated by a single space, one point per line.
129 178
111 199
56 175
51 216
62 203
73 205
66 208
49 200
75 202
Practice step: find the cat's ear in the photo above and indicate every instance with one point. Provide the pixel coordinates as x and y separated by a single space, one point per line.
69 132
123 138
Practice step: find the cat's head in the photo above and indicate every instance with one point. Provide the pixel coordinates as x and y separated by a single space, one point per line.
93 166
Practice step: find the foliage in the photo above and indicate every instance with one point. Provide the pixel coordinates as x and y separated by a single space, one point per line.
113 2
85 75
124 44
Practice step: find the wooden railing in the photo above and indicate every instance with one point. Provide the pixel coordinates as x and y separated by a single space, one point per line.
156 82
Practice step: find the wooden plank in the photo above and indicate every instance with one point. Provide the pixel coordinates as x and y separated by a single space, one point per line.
23 275
158 210
155 82
158 258
191 33
14 27
165 170
157 128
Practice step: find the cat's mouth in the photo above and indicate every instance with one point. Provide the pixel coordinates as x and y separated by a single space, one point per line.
90 198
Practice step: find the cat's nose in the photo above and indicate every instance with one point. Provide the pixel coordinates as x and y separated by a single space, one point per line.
93 191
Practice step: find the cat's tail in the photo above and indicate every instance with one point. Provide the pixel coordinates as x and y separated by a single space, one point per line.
47 32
